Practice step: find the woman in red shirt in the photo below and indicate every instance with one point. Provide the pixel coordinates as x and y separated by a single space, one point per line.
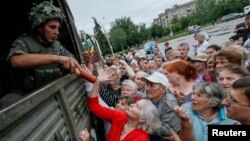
138 120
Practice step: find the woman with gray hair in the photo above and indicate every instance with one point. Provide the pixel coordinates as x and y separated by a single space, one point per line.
140 84
205 109
135 123
129 89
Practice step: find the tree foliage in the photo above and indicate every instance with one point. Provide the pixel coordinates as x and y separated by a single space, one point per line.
145 32
102 40
125 33
156 31
118 39
213 10
134 34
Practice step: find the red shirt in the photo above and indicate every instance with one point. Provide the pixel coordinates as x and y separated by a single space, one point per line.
117 119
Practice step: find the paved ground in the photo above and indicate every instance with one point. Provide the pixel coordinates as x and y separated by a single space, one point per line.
220 33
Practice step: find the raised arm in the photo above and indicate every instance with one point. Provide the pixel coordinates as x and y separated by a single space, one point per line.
104 77
129 70
93 102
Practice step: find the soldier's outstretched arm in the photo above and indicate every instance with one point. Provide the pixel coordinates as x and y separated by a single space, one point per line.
35 60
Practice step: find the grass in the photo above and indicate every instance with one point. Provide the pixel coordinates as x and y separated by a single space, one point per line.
178 35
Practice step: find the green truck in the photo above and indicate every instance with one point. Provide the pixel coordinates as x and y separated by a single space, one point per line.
58 110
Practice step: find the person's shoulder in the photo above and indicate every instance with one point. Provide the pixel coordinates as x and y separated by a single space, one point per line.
187 106
170 101
206 43
22 36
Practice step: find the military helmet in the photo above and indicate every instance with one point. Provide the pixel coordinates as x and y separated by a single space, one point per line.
43 12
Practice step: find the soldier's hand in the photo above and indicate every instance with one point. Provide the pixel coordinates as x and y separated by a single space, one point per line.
69 63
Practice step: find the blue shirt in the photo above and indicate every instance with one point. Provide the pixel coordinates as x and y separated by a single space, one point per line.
200 125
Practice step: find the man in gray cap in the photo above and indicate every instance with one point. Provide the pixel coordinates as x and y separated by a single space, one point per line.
156 87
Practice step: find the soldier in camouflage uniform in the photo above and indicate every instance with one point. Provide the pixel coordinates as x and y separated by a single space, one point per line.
37 57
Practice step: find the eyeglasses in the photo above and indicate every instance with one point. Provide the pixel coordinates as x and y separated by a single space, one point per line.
230 100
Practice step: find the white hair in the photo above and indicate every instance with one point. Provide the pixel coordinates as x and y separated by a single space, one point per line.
141 73
131 84
150 115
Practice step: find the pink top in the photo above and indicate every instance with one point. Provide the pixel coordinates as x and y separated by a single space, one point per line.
117 119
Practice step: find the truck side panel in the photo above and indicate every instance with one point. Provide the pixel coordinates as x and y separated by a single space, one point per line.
58 111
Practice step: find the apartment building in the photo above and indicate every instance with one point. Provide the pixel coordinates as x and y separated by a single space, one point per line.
176 12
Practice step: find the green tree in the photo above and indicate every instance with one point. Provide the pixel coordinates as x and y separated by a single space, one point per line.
185 21
213 10
102 40
134 38
127 26
176 27
145 33
166 31
118 39
156 31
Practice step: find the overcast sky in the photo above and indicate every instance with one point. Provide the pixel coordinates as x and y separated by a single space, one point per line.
106 11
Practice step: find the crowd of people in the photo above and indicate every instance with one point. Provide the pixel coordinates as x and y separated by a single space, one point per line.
139 96
189 92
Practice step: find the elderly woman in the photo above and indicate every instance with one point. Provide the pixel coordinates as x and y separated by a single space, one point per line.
205 108
134 124
229 74
181 75
128 88
140 84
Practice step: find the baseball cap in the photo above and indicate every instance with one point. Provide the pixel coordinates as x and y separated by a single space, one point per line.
201 57
157 77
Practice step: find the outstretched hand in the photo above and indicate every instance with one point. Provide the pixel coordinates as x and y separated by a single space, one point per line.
69 63
105 76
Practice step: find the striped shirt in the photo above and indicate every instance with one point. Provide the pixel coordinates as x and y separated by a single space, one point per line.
109 95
